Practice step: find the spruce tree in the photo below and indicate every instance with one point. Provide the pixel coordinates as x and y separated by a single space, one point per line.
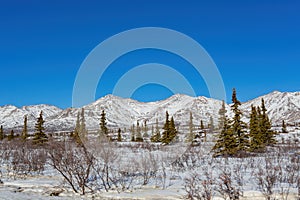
170 132
103 127
145 130
138 137
173 130
119 135
76 134
222 115
265 126
82 129
238 126
226 144
39 136
190 136
284 129
156 136
166 134
132 133
256 138
1 133
25 130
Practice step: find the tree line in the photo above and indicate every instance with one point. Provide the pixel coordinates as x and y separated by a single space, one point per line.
235 136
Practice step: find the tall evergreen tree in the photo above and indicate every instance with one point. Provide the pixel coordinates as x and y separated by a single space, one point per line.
190 135
119 135
170 132
156 137
132 133
265 126
226 144
138 137
76 134
166 134
238 126
173 130
256 138
222 115
82 130
1 133
25 130
145 135
284 129
103 127
40 137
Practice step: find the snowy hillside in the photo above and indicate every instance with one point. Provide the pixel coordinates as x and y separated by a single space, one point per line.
13 117
124 112
281 106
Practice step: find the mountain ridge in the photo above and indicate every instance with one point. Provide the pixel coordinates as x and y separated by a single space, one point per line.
123 112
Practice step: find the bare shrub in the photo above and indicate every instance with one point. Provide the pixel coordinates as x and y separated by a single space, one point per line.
73 162
22 158
226 187
148 166
104 170
200 186
266 177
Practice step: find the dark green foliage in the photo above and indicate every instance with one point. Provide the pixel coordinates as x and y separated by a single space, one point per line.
238 126
25 130
1 133
40 137
119 135
226 144
76 133
166 133
265 126
256 137
103 127
82 127
284 129
233 138
173 131
222 115
156 137
170 131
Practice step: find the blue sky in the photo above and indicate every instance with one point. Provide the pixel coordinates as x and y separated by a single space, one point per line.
255 44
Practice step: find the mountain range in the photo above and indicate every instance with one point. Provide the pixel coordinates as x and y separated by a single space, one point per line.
123 113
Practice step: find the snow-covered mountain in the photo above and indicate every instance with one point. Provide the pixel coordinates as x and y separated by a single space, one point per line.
280 105
12 117
124 112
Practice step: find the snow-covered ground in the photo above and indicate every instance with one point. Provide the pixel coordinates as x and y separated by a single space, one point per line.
172 170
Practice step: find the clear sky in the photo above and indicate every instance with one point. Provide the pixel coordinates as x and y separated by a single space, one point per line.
255 44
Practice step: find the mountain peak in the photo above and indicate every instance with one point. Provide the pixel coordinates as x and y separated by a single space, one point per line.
123 112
